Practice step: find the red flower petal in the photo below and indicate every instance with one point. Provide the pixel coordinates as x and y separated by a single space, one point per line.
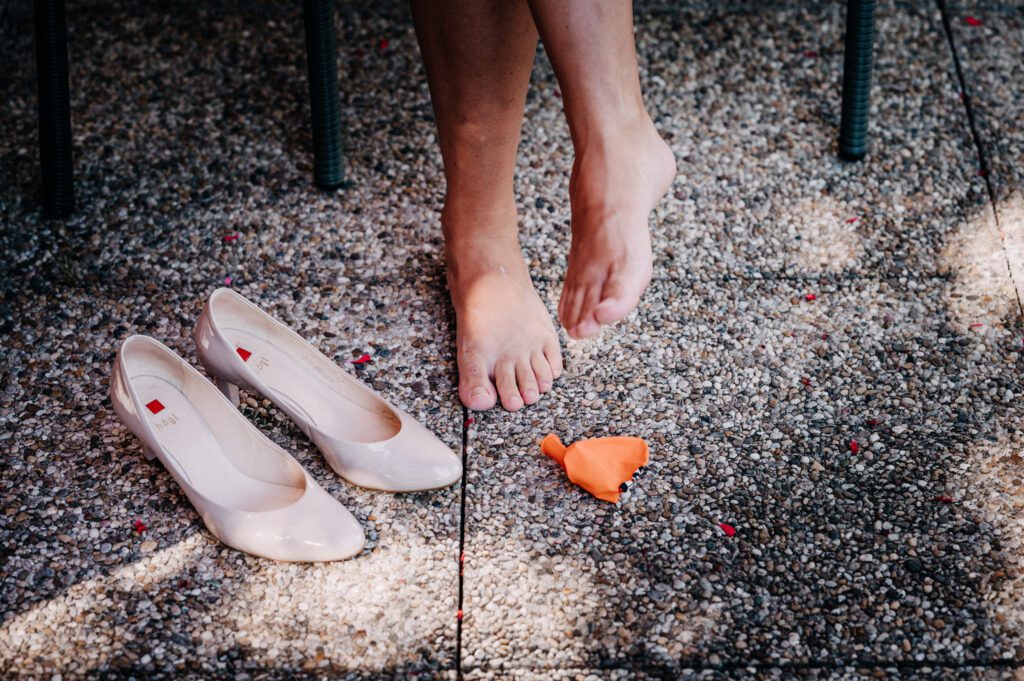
824 336
811 296
977 325
729 530
854 446
810 54
139 526
228 238
872 422
943 499
853 220
973 21
468 422
362 359
458 614
383 44
805 381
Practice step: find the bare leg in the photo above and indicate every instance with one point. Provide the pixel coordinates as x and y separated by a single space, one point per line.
478 55
622 167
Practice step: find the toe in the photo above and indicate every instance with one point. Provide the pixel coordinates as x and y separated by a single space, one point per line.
586 326
620 295
553 354
541 371
569 307
505 380
527 382
475 389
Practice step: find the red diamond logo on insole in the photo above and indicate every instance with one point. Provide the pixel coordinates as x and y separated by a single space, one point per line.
155 406
243 353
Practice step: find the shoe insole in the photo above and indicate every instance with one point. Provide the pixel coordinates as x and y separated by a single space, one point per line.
311 394
187 438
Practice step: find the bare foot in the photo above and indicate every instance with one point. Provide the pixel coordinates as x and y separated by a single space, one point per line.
616 182
506 342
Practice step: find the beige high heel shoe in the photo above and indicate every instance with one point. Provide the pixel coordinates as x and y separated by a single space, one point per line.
365 440
250 493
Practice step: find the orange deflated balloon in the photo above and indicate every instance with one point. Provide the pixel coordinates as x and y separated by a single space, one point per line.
601 465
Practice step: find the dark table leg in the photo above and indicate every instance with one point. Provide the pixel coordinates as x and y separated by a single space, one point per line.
54 108
860 38
321 58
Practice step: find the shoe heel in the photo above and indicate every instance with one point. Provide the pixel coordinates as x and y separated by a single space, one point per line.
149 453
229 389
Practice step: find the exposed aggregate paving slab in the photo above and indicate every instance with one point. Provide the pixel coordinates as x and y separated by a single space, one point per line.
750 412
174 598
749 101
990 43
212 142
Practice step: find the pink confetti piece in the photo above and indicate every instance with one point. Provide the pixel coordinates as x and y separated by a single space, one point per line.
228 238
943 499
854 446
361 359
729 530
458 614
139 526
977 325
227 281
810 297
973 21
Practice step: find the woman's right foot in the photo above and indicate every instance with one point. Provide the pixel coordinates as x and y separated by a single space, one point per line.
507 346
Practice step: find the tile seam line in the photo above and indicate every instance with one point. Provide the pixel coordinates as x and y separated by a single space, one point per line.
1013 663
796 279
462 540
979 146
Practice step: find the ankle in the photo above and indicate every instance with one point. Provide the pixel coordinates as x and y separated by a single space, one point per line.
607 128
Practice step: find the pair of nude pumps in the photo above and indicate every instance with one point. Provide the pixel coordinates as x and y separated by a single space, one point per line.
251 494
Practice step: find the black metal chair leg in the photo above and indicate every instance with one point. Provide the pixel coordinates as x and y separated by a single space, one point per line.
54 108
860 38
321 60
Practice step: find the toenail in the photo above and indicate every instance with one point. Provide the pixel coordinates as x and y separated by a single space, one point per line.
478 392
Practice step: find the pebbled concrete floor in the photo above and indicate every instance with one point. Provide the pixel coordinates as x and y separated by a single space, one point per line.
904 558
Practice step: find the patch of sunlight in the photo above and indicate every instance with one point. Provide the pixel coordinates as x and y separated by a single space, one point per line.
373 612
520 600
980 291
57 629
993 492
1011 224
531 607
828 233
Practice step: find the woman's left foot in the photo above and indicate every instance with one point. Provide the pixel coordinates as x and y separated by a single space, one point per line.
616 182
